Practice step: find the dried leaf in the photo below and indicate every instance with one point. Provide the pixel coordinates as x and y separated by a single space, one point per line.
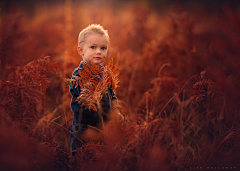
94 81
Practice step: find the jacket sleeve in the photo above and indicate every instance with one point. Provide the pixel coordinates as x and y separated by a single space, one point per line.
74 104
112 93
75 91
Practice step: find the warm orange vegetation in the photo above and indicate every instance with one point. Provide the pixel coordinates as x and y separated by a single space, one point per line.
179 80
94 82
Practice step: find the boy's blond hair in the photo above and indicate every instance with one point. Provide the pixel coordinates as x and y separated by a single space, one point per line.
93 28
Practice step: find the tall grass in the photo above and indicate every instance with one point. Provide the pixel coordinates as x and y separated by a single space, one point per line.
179 82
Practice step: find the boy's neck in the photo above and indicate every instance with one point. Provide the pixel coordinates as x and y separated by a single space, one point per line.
84 62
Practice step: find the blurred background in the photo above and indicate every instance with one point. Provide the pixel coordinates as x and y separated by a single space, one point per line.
139 31
185 36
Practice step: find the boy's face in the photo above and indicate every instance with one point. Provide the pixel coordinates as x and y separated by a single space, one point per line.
94 48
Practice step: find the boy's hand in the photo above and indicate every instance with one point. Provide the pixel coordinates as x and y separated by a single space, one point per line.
92 134
115 113
121 117
117 116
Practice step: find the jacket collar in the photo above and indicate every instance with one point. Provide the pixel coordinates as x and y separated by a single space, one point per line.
83 63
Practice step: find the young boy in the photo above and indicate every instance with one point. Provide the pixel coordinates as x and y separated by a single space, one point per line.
93 43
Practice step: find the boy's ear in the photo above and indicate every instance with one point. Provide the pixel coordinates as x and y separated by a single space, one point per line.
80 50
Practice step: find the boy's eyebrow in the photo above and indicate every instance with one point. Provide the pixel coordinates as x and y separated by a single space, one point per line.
96 44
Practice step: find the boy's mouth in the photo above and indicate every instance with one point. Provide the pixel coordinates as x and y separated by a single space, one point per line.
98 58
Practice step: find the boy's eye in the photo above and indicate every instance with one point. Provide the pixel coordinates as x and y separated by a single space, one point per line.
103 48
92 47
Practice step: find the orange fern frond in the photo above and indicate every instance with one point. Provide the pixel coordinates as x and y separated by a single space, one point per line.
90 73
34 73
25 90
94 82
93 92
113 75
88 99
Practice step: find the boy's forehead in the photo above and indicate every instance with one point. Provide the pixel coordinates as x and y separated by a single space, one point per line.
97 38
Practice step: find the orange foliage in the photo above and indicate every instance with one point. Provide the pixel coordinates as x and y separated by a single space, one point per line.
162 129
94 82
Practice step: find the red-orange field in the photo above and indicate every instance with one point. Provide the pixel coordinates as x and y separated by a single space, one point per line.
179 86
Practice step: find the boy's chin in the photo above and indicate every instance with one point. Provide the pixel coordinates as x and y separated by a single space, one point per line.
97 62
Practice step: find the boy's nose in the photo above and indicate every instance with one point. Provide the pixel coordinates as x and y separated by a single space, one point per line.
98 51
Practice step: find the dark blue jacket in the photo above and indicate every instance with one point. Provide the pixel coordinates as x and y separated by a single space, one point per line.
85 116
